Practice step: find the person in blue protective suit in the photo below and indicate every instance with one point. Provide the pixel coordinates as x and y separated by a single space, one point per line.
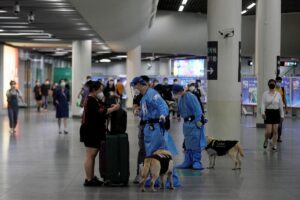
193 128
153 113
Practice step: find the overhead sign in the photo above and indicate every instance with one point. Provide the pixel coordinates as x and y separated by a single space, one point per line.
212 60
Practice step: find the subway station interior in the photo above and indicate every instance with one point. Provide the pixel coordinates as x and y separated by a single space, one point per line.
231 49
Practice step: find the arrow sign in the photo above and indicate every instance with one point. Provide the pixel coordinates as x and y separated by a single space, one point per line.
212 60
211 70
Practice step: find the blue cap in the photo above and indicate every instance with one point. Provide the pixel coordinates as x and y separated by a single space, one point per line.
177 88
137 80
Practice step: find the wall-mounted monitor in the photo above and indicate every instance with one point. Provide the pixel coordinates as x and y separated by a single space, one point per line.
189 67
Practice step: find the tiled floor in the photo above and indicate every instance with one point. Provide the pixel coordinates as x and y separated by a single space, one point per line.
37 163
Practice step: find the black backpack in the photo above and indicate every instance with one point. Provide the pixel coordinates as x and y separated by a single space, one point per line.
118 122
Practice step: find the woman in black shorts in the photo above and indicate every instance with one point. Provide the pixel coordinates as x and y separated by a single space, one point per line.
94 120
272 112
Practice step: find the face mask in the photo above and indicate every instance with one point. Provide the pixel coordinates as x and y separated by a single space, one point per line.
111 93
278 85
192 88
136 92
100 96
199 84
165 82
63 84
272 86
175 82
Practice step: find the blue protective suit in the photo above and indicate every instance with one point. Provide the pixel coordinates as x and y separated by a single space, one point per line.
194 137
155 136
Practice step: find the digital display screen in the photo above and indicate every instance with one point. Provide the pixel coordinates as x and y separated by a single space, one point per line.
296 92
189 67
249 91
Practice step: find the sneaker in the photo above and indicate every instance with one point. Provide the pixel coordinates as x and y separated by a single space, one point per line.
97 180
274 147
59 132
265 144
66 132
279 140
92 183
136 179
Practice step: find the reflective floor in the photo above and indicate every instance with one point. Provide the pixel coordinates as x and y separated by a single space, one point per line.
37 163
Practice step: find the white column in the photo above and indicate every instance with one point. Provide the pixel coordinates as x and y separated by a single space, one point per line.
224 94
133 66
164 67
81 67
267 45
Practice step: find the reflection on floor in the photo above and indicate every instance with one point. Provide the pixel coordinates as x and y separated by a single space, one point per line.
37 163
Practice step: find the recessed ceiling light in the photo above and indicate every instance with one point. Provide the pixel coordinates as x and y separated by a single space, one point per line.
184 2
22 34
14 26
61 10
1 30
28 31
181 8
2 11
105 60
251 6
4 17
122 56
243 12
100 52
83 29
80 23
45 39
13 23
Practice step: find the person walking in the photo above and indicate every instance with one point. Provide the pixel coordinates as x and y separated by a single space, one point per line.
62 105
272 113
13 95
38 95
45 92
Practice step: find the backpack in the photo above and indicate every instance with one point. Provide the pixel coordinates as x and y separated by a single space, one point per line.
118 122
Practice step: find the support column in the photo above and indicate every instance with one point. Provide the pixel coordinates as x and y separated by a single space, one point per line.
267 46
133 66
224 94
81 67
164 67
2 92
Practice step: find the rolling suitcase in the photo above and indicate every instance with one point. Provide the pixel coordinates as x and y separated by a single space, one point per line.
117 160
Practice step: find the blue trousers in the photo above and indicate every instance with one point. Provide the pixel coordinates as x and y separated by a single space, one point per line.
13 112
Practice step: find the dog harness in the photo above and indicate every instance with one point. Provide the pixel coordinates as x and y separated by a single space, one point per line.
164 162
221 146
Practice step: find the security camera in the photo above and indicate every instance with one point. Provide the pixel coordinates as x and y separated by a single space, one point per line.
226 33
17 8
30 17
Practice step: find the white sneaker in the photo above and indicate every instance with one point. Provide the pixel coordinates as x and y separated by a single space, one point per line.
274 147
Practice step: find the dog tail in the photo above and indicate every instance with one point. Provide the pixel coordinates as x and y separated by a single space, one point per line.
240 149
146 168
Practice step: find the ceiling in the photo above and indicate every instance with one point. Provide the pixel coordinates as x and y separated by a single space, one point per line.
288 6
56 21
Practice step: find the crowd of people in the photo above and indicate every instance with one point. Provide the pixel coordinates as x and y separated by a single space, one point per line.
153 102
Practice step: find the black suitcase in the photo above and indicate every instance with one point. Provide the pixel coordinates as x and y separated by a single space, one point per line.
118 122
117 160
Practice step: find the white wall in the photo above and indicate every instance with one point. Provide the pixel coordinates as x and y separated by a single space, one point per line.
119 68
179 32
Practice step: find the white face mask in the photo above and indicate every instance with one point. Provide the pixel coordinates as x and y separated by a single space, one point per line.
199 84
166 82
100 96
192 88
63 84
136 92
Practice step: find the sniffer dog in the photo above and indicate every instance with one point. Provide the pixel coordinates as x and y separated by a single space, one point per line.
159 164
224 147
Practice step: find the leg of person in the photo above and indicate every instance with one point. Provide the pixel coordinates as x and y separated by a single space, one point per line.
11 119
43 102
46 103
187 162
59 125
279 131
268 132
275 135
65 126
89 165
197 165
141 153
15 116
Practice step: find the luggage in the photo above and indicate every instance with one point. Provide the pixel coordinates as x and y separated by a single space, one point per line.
118 122
116 160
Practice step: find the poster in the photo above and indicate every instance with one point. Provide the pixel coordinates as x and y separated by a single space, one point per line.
296 92
286 83
249 91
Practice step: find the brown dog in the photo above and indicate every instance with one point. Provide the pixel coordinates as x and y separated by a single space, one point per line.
219 148
158 165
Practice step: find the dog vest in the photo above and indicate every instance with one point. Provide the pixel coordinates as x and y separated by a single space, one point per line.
221 146
164 162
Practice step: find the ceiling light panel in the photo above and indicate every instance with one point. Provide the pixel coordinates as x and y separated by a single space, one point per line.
251 6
